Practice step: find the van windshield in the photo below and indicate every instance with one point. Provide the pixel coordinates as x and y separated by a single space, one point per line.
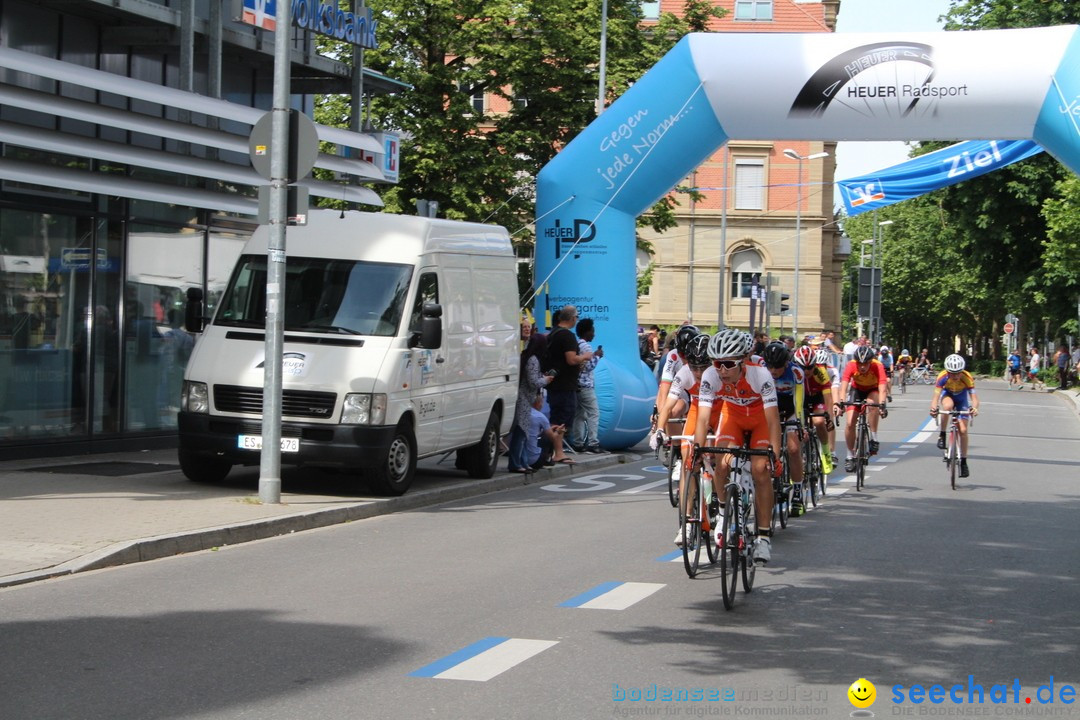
321 295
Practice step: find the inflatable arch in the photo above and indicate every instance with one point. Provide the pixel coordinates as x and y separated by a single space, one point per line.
1007 84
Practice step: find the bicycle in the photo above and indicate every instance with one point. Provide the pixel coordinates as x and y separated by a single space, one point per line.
952 446
698 521
669 454
813 466
739 520
862 437
924 375
783 487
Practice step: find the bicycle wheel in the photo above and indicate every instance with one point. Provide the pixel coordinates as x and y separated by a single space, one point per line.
903 386
862 454
674 456
729 553
953 456
749 567
708 538
811 465
691 529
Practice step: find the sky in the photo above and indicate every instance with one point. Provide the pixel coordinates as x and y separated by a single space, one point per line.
859 158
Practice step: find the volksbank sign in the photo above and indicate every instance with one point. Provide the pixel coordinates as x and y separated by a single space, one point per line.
333 22
322 18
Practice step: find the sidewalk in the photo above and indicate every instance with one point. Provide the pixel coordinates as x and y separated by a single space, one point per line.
64 515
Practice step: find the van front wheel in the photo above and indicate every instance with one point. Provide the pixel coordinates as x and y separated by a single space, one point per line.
483 457
395 474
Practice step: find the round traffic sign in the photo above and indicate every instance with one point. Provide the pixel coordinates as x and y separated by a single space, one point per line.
1009 328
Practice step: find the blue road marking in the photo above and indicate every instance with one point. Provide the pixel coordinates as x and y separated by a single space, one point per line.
670 556
590 594
456 658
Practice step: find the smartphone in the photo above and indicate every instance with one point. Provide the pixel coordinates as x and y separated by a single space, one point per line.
599 348
552 372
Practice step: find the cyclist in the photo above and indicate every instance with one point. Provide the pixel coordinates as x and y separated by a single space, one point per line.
904 361
815 367
790 391
863 379
955 390
748 394
672 362
686 383
923 361
886 359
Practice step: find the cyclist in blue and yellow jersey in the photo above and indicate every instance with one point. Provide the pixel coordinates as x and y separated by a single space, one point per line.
686 383
885 357
863 379
815 367
955 390
748 393
790 400
671 362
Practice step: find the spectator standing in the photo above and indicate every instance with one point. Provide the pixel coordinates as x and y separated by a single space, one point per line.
566 360
585 435
530 382
1061 361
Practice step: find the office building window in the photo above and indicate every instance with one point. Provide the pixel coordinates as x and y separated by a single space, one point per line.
744 265
749 184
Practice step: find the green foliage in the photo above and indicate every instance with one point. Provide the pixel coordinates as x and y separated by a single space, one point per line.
645 280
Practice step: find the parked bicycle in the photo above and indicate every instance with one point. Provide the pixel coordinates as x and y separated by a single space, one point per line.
952 442
738 522
862 436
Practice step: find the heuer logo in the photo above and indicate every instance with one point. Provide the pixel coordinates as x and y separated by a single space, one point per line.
582 231
839 80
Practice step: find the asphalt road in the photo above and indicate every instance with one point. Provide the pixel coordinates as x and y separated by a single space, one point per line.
565 601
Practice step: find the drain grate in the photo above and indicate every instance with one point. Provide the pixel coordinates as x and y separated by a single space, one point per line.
106 469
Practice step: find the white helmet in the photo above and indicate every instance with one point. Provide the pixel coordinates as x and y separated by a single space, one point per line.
730 342
884 349
822 357
954 363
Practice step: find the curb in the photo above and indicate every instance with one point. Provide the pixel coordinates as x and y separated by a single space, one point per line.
161 546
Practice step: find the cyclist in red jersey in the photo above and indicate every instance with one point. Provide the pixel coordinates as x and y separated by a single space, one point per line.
863 379
748 392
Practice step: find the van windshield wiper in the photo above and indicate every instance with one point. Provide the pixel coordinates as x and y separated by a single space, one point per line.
331 328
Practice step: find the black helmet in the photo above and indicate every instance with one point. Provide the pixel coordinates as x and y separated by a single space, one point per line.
697 351
684 335
776 355
864 354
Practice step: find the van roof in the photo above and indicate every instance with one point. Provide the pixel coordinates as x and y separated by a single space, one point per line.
382 237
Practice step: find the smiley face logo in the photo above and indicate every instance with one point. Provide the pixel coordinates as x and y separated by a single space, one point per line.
862 693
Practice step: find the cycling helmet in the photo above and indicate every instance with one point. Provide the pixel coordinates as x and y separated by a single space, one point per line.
697 350
954 363
822 357
884 350
904 352
684 335
776 355
864 354
730 343
804 356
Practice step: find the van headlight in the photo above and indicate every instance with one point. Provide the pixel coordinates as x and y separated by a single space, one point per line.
195 397
364 409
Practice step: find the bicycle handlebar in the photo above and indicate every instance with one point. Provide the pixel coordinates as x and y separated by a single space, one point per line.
747 452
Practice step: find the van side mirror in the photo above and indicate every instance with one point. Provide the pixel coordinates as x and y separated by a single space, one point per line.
430 335
193 311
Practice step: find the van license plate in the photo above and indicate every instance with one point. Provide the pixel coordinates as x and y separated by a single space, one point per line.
254 442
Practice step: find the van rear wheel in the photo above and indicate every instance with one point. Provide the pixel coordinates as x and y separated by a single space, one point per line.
395 474
483 457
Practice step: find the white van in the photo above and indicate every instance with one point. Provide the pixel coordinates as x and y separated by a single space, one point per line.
401 342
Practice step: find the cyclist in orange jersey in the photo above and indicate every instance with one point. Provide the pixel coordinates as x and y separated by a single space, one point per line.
863 379
748 392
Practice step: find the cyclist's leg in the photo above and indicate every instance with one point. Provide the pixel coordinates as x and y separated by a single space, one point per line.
873 414
849 431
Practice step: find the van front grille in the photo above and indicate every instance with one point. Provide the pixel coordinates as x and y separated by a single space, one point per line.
294 403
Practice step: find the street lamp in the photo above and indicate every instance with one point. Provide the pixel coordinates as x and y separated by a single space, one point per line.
875 317
798 233
603 59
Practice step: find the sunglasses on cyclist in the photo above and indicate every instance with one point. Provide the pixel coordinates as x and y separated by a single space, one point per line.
728 364
699 368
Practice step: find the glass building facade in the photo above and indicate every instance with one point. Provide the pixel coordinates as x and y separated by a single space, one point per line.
124 182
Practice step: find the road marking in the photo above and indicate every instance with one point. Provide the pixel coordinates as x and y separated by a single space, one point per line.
835 491
899 452
591 483
874 467
643 488
671 556
613 595
655 469
484 659
925 432
887 460
908 447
